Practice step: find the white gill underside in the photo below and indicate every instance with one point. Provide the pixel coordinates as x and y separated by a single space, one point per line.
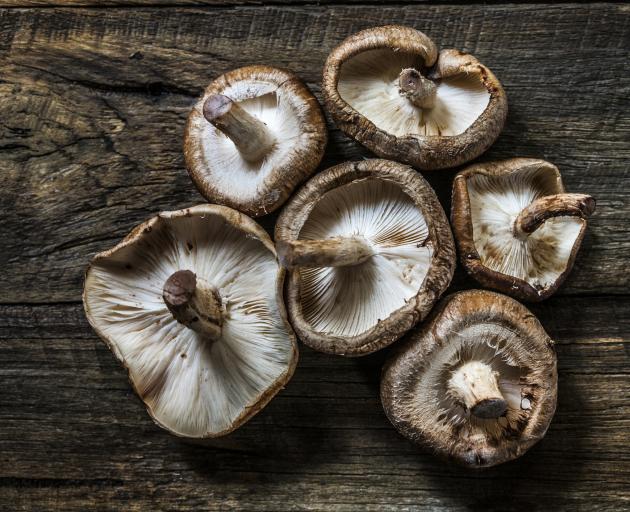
368 82
495 202
483 343
192 386
230 173
347 301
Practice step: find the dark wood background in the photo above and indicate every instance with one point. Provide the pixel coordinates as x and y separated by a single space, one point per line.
93 103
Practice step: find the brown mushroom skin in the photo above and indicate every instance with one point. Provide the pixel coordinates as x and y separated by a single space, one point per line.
281 183
388 330
400 373
461 221
240 221
424 152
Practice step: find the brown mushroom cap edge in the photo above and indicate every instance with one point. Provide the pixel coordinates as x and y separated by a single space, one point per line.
424 152
461 220
410 359
440 273
298 161
249 228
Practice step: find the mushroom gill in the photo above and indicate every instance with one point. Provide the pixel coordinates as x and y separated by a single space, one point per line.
233 171
189 303
348 300
482 345
252 137
540 257
477 383
368 251
375 84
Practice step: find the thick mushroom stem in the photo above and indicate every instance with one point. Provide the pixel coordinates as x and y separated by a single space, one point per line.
559 205
419 90
193 303
332 252
476 385
249 134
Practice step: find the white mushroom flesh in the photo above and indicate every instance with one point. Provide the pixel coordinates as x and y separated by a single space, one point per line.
495 201
231 174
347 301
368 82
483 343
193 386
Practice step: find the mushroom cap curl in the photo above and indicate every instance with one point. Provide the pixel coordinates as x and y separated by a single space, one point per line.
291 115
366 95
421 385
194 386
486 203
407 262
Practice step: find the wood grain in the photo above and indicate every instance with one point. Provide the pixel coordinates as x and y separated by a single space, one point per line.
93 108
74 435
93 104
235 3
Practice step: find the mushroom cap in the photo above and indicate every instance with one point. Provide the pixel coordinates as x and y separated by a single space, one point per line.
487 197
483 326
359 309
361 93
191 386
279 99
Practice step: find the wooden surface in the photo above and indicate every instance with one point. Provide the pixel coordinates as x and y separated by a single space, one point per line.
92 109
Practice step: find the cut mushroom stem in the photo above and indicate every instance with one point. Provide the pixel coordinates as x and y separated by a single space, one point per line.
476 385
559 205
332 252
419 90
249 134
193 303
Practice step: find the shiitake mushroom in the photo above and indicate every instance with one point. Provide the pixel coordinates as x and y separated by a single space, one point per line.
516 228
368 251
476 383
190 303
253 136
390 89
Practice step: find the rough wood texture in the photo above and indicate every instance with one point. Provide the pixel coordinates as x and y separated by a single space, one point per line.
75 436
92 110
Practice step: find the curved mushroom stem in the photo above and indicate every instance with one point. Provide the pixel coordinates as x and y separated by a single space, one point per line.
332 252
248 133
476 385
559 205
194 303
419 90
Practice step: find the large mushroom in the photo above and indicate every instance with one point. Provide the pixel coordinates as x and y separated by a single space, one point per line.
477 383
388 88
255 134
369 251
517 229
190 303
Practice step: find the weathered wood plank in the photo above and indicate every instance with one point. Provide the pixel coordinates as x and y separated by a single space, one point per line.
322 444
227 3
93 105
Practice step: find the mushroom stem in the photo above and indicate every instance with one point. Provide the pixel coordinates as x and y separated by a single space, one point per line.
193 303
559 205
476 385
419 90
248 133
332 252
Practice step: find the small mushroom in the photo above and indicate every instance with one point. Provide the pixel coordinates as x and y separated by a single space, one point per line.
476 384
388 88
255 134
190 303
369 251
517 230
